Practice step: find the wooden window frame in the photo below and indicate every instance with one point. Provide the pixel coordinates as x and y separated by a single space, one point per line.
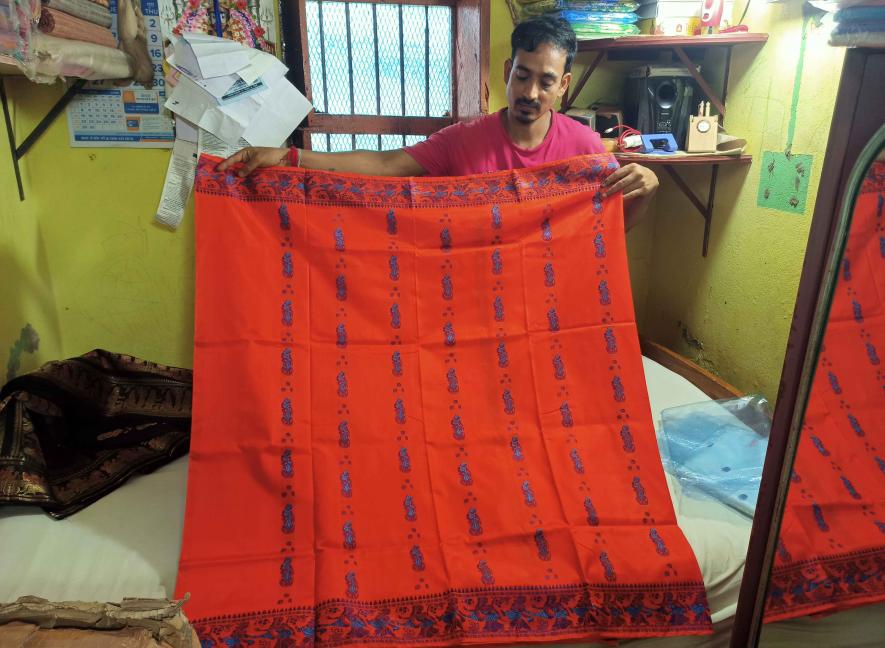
470 72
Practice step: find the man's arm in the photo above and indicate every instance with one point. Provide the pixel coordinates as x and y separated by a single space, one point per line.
639 184
383 163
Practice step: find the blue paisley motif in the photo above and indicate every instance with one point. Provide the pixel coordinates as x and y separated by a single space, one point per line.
503 360
549 276
457 428
592 516
658 541
639 491
542 546
485 572
288 519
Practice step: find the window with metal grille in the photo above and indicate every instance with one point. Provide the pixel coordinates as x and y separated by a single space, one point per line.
383 74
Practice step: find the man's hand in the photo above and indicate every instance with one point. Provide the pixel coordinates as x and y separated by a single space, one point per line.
634 180
254 157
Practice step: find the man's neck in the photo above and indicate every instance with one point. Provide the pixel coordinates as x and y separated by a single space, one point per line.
527 136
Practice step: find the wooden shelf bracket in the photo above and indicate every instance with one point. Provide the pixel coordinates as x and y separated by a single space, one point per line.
678 46
706 211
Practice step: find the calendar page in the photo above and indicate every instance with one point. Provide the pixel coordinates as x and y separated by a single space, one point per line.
105 115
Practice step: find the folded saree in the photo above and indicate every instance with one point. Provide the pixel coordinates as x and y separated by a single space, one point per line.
420 416
74 430
85 9
59 24
831 551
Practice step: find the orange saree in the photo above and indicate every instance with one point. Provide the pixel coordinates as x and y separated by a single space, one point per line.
831 551
420 416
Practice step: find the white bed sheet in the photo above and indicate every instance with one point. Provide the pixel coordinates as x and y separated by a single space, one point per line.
127 544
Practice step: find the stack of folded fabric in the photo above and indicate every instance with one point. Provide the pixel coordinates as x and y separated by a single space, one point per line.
523 9
60 38
16 20
600 18
79 20
589 18
859 23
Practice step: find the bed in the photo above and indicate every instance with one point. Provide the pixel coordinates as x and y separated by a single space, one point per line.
127 544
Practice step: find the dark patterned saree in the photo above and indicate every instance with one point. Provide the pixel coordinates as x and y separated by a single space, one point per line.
74 430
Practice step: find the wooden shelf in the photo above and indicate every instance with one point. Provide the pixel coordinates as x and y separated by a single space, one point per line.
650 42
684 160
8 67
601 48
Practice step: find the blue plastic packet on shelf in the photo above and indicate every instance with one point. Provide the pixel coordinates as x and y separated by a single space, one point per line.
615 18
717 449
620 6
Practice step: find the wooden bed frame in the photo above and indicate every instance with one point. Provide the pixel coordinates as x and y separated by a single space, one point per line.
709 383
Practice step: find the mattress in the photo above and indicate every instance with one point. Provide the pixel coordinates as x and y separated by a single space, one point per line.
127 544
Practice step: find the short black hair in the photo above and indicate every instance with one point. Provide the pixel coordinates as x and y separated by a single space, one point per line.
546 28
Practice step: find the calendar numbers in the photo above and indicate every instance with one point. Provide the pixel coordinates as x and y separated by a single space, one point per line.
104 115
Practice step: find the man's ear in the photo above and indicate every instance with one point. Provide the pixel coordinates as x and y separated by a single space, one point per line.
508 67
564 83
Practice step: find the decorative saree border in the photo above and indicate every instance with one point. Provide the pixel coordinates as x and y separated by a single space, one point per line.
492 614
875 180
306 186
822 583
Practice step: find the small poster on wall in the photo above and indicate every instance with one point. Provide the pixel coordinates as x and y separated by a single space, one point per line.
106 115
250 22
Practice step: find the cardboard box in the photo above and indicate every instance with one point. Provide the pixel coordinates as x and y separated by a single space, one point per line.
683 26
677 17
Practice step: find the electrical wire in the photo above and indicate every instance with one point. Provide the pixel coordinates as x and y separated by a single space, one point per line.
626 131
744 15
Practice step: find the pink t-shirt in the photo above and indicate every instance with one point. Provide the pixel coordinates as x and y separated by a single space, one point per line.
483 146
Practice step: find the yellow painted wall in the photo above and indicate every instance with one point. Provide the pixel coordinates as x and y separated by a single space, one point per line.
80 258
731 312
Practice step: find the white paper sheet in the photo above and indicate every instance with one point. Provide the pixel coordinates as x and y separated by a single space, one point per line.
189 100
211 145
185 130
282 110
252 100
209 56
196 105
179 182
262 64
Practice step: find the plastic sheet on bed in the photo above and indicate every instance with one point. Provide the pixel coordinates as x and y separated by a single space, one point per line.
717 448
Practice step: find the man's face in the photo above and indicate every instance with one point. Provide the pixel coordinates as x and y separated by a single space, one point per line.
535 80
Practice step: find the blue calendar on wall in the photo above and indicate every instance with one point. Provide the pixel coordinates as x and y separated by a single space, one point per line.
105 115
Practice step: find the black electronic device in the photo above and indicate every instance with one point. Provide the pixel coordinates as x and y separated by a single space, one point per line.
659 99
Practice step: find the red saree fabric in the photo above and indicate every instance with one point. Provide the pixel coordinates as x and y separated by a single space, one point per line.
831 553
420 416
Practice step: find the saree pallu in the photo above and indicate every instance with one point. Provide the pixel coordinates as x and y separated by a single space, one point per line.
421 416
74 430
831 550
